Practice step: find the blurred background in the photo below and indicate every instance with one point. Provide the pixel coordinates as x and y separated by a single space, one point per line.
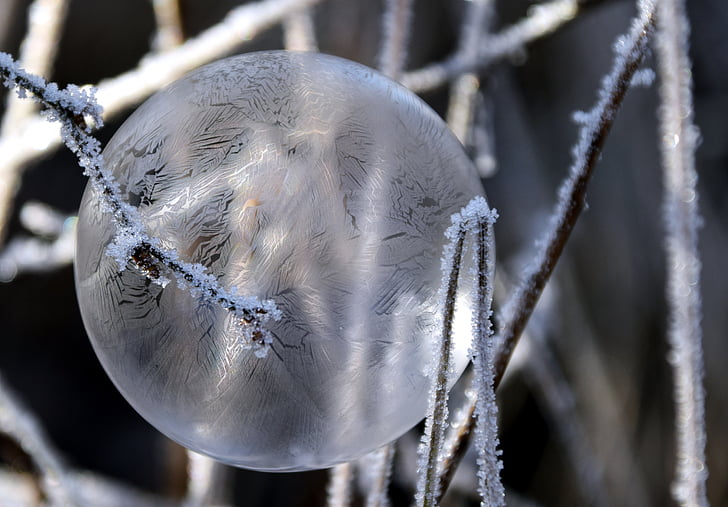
586 408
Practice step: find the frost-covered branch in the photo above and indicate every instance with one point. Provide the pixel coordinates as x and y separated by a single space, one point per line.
486 431
35 137
472 217
679 136
541 20
378 470
339 489
396 23
37 52
630 53
20 425
132 245
465 88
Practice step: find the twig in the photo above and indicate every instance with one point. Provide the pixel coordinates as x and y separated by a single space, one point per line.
541 21
37 52
679 134
470 218
396 23
571 201
131 244
380 468
432 440
19 424
339 488
169 24
35 137
299 33
465 87
486 411
572 194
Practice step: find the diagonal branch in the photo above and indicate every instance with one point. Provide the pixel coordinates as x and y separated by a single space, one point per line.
571 201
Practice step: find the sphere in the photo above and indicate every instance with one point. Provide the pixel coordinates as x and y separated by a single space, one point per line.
301 178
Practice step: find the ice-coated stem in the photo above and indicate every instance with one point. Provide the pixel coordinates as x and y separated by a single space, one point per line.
489 464
428 486
470 218
679 136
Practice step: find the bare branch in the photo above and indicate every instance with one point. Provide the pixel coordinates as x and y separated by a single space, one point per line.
541 21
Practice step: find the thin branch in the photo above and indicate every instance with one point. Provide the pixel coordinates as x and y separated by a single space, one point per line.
380 468
169 25
19 424
132 245
299 32
571 202
572 194
679 136
35 137
339 488
396 23
37 52
465 87
486 410
432 439
430 450
541 20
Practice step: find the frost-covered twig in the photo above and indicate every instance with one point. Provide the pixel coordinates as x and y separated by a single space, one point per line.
299 32
396 23
541 20
571 201
572 194
379 471
465 88
131 244
35 137
470 218
20 425
430 449
37 52
169 24
679 136
339 488
486 436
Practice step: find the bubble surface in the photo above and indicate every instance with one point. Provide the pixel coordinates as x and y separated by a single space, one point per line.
302 178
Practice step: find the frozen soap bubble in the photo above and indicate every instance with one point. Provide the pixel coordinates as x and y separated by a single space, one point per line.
297 177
